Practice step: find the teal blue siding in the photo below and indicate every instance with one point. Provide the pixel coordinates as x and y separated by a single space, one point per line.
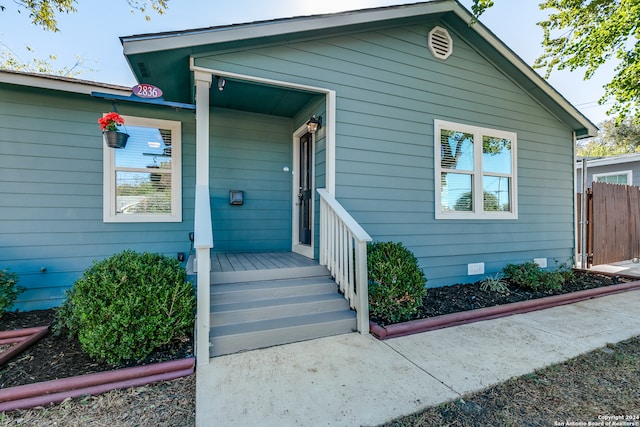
389 90
248 152
51 191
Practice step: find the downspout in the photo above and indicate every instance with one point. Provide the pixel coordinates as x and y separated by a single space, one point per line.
576 249
583 217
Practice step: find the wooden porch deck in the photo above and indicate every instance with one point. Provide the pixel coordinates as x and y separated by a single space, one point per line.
248 261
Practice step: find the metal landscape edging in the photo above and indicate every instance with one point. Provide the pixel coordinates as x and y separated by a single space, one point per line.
471 316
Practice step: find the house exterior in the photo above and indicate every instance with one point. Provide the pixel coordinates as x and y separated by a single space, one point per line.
623 169
432 133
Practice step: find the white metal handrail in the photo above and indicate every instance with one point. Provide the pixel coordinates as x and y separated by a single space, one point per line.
343 249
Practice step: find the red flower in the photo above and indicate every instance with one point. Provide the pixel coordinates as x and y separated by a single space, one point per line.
110 121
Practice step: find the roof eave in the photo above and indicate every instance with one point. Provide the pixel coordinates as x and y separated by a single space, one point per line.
148 43
60 83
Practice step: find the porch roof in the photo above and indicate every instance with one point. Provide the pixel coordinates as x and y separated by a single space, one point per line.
163 58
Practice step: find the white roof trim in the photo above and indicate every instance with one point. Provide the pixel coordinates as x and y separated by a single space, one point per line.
65 84
613 160
176 40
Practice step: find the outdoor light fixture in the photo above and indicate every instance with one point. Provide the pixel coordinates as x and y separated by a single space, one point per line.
221 83
314 124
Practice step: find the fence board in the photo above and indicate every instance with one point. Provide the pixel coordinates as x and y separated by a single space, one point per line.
615 223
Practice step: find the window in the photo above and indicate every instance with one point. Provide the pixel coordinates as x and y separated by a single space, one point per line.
621 177
142 182
474 172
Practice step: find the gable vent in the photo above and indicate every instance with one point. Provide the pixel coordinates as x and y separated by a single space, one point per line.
440 43
143 70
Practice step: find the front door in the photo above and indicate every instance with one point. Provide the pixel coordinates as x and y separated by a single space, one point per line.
303 195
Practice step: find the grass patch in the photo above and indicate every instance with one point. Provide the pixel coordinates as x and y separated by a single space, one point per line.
604 382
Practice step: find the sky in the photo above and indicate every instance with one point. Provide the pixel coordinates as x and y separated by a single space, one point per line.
92 33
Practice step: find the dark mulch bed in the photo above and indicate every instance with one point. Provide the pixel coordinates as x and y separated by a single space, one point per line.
469 296
56 357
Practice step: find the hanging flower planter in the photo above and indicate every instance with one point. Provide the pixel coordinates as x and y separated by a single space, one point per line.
115 139
109 124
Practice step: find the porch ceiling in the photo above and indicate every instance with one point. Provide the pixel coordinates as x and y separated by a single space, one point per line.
170 72
257 98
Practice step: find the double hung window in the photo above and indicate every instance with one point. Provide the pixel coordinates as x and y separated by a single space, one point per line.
475 172
142 182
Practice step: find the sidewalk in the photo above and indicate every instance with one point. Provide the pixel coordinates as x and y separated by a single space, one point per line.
628 268
353 380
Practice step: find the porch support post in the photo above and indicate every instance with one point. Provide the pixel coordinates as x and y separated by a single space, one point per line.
330 163
203 229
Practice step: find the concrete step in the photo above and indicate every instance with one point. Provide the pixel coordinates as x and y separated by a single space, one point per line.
266 333
254 310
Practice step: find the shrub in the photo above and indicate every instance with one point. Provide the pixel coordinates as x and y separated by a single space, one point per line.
565 269
9 290
529 275
396 283
125 306
494 284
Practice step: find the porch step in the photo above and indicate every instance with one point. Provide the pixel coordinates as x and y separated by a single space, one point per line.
257 310
256 314
270 274
267 289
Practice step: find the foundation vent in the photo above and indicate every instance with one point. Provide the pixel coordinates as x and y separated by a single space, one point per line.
440 43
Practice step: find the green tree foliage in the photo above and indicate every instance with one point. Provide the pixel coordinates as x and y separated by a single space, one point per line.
588 33
614 138
44 13
10 61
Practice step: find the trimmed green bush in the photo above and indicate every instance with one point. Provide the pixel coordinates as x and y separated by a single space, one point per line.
127 305
9 290
396 283
529 275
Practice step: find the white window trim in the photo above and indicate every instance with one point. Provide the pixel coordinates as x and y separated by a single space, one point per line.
477 172
629 174
109 183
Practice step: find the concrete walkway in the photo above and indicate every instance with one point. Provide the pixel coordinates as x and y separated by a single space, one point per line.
355 380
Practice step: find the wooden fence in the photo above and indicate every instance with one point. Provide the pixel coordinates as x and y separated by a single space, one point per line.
613 223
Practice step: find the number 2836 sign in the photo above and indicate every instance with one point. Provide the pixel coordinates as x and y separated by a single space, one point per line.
144 90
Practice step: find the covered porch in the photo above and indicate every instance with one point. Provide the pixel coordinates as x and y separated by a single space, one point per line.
291 281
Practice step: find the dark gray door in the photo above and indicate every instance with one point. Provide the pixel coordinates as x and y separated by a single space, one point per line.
305 190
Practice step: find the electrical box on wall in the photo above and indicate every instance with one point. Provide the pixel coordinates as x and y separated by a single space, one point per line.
475 268
236 197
